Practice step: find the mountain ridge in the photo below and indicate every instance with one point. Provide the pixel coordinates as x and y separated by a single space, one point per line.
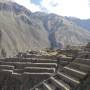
84 23
23 30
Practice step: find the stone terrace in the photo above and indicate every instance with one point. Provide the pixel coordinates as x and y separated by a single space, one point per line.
36 72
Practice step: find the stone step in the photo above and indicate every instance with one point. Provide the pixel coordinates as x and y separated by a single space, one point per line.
61 81
84 54
83 61
9 71
16 59
69 59
17 76
72 81
17 65
5 74
20 65
60 84
46 61
63 63
49 82
1 62
5 71
28 73
29 60
33 70
39 56
8 67
39 88
47 65
32 61
41 76
20 71
39 69
74 72
46 86
79 66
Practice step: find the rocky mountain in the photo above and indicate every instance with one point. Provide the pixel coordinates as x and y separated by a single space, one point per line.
19 32
84 23
22 30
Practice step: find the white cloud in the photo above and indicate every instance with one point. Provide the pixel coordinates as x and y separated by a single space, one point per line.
75 8
28 4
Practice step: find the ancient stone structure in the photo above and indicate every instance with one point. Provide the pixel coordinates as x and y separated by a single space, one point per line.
36 72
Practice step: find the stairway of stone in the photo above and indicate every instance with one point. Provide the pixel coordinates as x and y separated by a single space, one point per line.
33 72
84 55
69 77
24 71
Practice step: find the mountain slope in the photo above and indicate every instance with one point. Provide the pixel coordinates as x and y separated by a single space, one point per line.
22 30
63 31
19 32
85 23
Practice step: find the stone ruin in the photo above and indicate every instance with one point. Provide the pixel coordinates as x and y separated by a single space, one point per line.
32 71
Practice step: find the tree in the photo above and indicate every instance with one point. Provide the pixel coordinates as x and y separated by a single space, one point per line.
88 45
3 52
68 47
0 38
87 48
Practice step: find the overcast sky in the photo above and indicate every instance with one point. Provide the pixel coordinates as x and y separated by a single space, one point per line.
74 8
